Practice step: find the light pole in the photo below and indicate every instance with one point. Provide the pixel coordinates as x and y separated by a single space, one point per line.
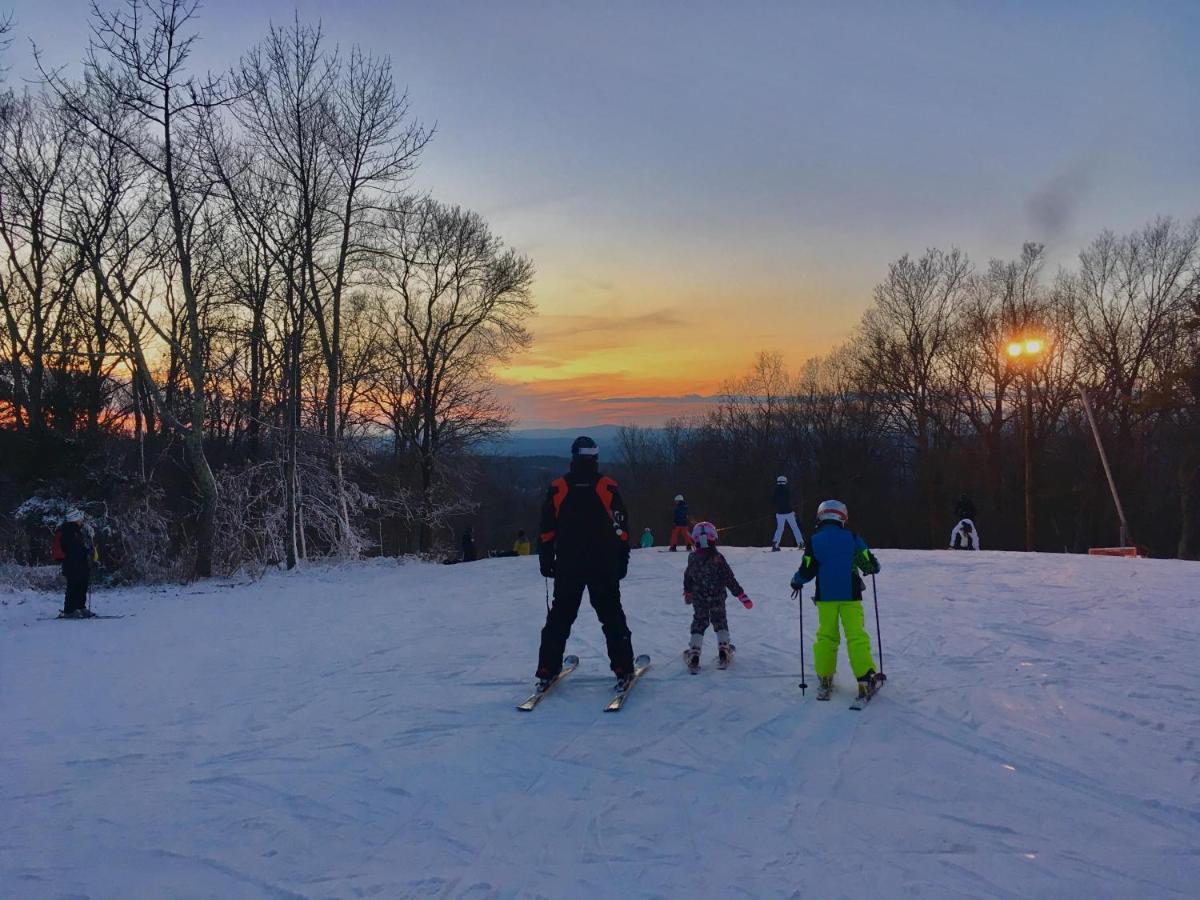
1025 352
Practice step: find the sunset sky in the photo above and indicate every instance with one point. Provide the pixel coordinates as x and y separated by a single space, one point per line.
697 182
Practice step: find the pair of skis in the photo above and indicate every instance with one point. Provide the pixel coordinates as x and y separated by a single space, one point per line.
570 663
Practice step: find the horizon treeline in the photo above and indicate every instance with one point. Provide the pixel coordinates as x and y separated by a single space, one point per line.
234 331
924 403
237 335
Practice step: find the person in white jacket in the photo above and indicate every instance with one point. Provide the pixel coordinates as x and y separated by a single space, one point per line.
964 536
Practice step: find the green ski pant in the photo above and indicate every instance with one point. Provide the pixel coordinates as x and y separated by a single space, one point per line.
858 642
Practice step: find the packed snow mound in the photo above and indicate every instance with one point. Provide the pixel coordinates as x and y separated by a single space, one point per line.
350 732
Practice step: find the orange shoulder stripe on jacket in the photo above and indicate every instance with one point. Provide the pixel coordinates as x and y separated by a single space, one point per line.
604 489
560 494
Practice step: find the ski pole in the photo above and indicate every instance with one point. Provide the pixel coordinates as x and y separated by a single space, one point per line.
878 636
798 596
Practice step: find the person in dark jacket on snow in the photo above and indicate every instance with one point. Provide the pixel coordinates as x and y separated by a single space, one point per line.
76 565
785 513
681 524
584 545
468 545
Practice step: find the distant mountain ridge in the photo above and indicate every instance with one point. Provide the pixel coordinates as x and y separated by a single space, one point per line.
552 441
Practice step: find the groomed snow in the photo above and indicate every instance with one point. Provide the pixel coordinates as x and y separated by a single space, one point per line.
350 732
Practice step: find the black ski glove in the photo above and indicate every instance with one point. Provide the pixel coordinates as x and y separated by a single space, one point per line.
547 567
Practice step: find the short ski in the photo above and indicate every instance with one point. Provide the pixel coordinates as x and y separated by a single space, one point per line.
75 618
861 701
569 665
640 665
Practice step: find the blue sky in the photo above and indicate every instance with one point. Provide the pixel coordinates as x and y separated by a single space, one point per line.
698 182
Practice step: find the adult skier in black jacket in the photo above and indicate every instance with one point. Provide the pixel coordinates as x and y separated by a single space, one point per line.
584 544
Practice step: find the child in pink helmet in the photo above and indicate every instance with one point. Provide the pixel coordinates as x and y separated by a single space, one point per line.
705 581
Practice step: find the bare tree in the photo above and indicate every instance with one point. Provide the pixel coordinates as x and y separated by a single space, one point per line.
1130 294
904 345
459 302
137 61
343 138
37 279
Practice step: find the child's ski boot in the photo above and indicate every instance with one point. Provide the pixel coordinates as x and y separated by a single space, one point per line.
824 687
691 656
724 655
867 685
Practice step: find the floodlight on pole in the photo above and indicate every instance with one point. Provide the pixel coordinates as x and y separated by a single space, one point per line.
1026 349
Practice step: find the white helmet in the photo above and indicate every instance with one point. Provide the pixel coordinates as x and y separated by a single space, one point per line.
679 498
705 535
833 511
75 515
782 479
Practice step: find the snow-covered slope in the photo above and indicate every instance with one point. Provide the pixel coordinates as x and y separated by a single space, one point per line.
350 731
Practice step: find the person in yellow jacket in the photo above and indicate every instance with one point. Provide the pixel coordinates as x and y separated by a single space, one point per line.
522 546
834 558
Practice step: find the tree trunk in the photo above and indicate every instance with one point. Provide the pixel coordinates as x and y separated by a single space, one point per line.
1189 486
425 541
206 488
292 386
257 330
924 468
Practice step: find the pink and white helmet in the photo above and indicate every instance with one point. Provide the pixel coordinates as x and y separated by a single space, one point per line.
705 535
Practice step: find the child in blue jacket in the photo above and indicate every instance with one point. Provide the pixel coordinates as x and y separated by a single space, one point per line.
834 558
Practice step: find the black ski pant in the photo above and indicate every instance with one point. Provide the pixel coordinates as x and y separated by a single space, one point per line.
705 613
77 590
605 596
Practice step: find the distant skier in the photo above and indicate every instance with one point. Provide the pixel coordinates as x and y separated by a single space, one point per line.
964 536
705 581
681 524
76 550
647 540
785 514
834 558
521 546
468 545
584 545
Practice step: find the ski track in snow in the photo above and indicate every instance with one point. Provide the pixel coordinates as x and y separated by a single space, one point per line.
349 731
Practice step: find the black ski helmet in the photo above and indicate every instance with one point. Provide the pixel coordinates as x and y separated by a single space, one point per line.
585 446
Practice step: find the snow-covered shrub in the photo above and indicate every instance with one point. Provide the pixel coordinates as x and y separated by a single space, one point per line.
131 533
252 526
